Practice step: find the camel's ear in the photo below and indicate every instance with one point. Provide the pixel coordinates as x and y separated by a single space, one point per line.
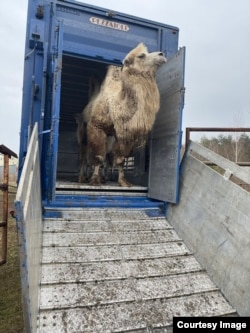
142 47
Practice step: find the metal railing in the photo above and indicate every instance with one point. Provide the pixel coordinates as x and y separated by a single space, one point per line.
239 175
213 129
216 129
4 187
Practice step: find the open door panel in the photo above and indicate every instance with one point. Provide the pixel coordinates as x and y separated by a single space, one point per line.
167 133
51 166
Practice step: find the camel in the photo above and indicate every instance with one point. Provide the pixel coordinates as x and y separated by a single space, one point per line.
125 108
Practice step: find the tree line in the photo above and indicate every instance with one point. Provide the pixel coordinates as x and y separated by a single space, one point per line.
235 147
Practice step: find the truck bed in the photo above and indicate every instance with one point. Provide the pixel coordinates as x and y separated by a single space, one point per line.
119 270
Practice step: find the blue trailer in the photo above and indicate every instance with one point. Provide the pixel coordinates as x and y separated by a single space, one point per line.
67 43
106 258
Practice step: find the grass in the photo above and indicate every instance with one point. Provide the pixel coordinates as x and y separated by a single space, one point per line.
11 315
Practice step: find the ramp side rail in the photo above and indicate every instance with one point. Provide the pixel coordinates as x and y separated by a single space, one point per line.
232 170
29 226
213 218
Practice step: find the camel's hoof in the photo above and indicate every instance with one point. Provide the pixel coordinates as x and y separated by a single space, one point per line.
124 183
103 180
81 180
94 181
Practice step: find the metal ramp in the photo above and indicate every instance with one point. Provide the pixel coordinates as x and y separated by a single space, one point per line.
119 270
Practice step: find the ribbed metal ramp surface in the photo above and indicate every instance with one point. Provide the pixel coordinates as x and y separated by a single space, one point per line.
120 270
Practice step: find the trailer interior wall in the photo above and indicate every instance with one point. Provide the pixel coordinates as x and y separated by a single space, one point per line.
78 75
213 217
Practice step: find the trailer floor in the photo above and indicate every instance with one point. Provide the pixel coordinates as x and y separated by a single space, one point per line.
120 270
108 188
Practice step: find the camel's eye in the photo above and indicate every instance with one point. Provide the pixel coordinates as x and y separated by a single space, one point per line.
141 56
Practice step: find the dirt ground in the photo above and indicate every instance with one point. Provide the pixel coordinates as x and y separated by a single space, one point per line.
11 315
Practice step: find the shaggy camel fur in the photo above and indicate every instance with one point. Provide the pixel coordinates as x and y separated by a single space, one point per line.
82 120
125 108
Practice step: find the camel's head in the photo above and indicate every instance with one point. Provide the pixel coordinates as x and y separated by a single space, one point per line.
140 59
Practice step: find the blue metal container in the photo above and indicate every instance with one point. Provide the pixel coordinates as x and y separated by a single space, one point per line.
68 42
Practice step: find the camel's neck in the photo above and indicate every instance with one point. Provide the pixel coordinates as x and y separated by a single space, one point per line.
132 79
138 88
147 74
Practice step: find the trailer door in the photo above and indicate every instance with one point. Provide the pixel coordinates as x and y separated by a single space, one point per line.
167 134
54 132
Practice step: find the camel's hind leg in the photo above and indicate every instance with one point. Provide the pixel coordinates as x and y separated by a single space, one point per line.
122 181
97 145
83 162
96 178
82 178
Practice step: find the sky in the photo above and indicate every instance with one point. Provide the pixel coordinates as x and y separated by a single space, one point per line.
216 34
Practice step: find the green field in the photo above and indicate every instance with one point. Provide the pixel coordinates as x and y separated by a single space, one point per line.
11 316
